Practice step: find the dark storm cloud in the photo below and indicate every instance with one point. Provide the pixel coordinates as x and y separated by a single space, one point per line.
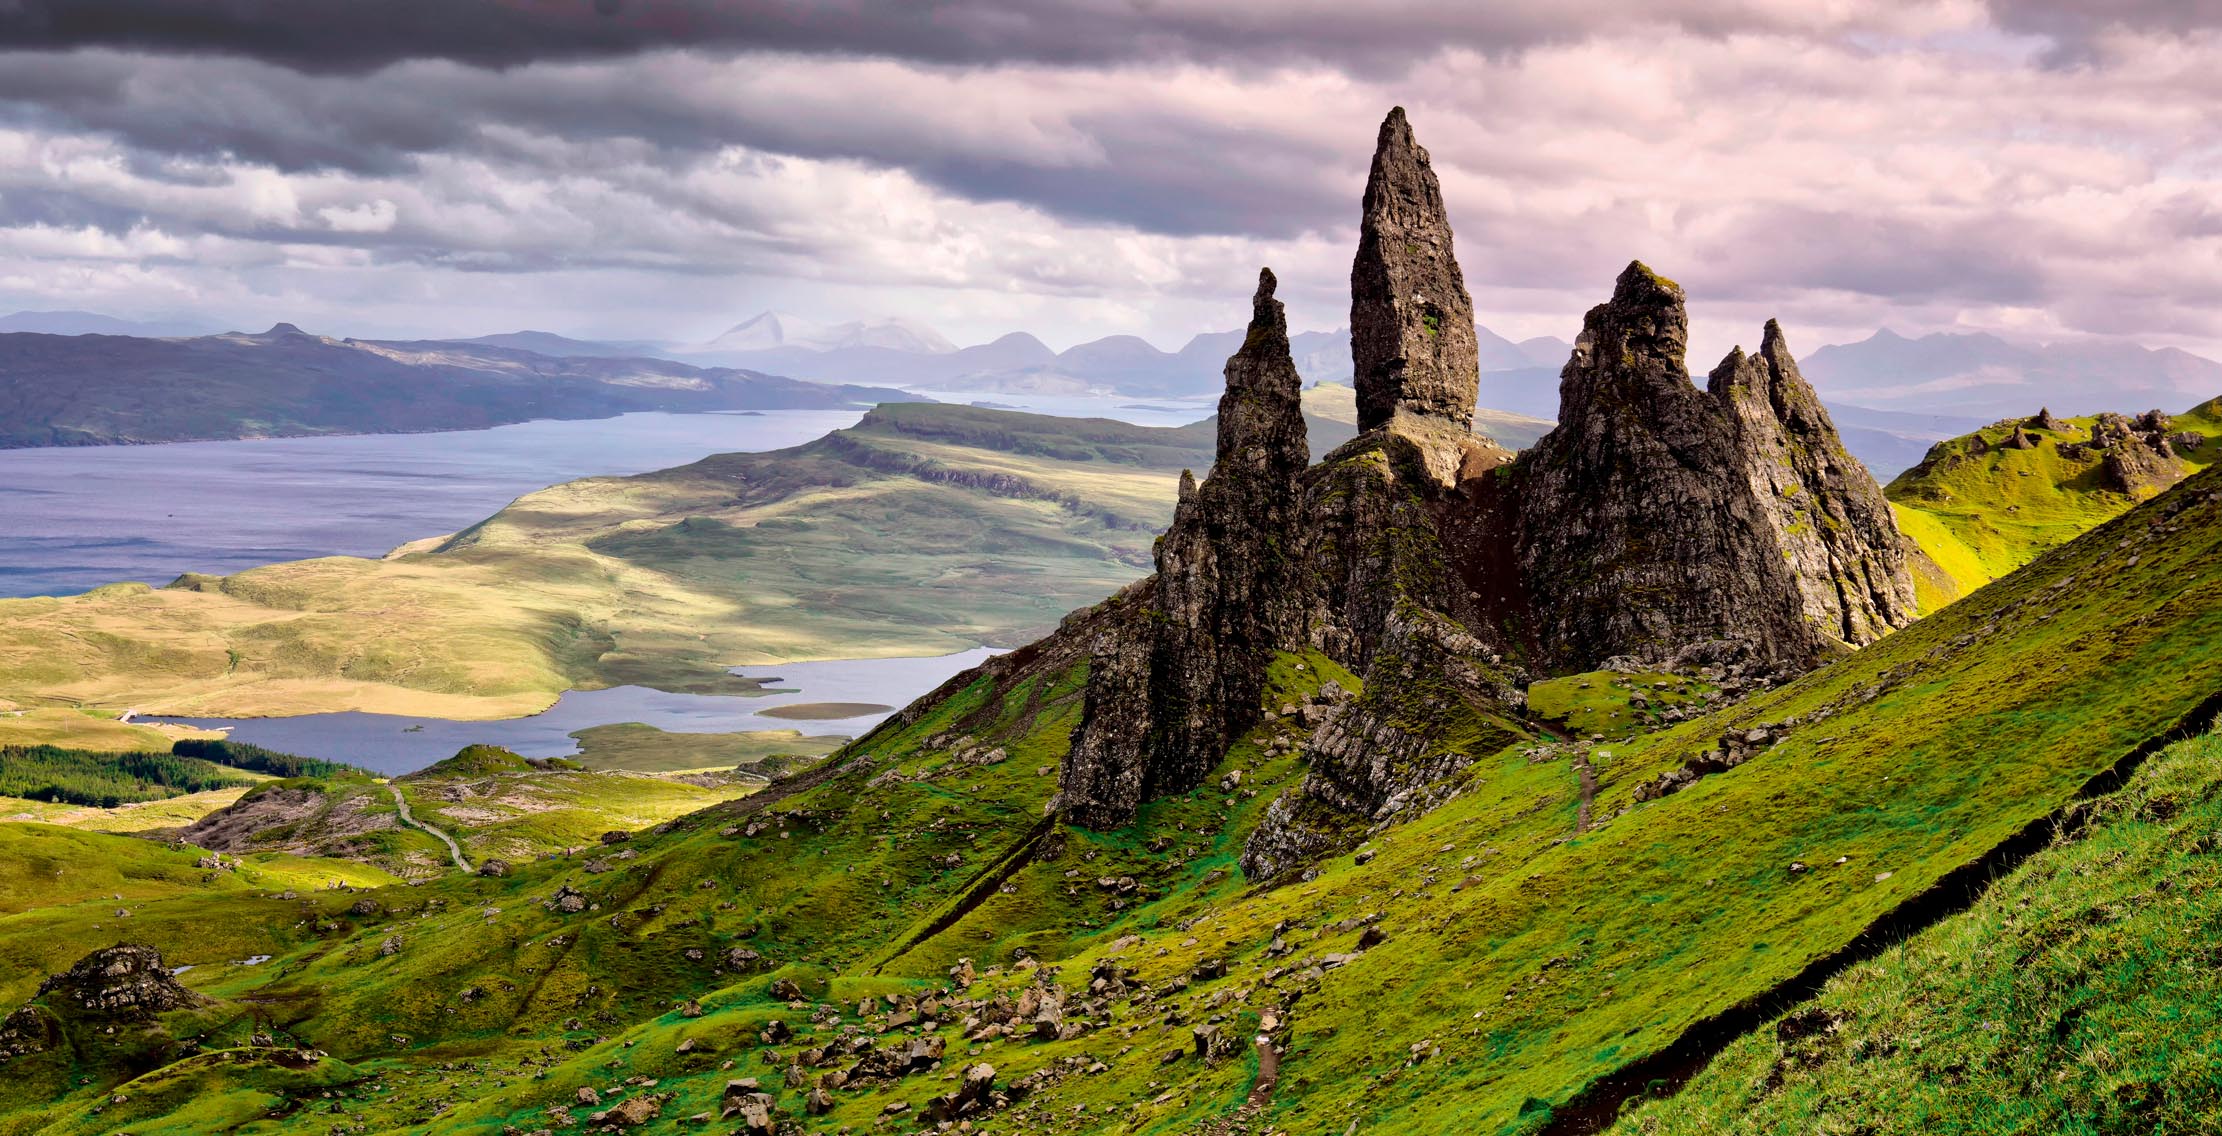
2078 27
353 36
1173 175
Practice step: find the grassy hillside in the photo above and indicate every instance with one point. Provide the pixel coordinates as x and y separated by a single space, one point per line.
74 728
2079 995
923 530
1471 970
1338 403
1981 509
501 806
646 749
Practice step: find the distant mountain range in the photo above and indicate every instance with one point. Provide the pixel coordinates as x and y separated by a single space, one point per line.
1989 378
91 389
1892 396
907 354
93 323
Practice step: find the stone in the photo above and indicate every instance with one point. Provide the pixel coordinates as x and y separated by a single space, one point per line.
1173 686
1657 515
126 982
493 868
1412 338
1829 519
2045 421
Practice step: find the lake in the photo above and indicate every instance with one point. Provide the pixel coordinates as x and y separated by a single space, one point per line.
73 518
393 744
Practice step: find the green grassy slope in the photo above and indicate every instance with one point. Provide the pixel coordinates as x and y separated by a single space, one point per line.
1517 960
922 530
2079 995
1981 510
646 749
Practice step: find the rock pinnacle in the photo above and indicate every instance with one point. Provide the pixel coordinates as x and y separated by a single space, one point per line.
1411 321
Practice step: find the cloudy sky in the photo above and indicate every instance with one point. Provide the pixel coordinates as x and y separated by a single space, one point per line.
663 168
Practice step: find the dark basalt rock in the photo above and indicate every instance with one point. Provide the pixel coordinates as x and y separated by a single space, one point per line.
1830 521
123 982
1167 697
1657 515
1659 521
1411 322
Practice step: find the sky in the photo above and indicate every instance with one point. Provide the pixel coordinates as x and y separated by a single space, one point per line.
661 169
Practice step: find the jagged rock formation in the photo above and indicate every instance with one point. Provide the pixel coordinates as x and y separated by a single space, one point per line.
125 983
2138 457
1416 365
1659 521
1828 516
1411 321
1658 516
1170 695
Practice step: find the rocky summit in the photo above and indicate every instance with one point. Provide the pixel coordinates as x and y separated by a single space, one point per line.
1659 518
1412 338
1659 525
1183 673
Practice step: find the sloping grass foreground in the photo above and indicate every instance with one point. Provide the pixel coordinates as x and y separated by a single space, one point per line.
2080 994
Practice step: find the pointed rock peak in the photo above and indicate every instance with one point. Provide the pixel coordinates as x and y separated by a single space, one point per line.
1261 415
1772 343
1639 287
1412 339
1268 319
1639 336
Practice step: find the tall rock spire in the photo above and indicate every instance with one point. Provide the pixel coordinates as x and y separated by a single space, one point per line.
1411 321
1185 677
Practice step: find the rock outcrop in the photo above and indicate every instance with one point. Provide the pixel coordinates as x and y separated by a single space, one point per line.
123 984
1659 522
1412 340
126 981
1658 516
1185 675
1829 519
2137 456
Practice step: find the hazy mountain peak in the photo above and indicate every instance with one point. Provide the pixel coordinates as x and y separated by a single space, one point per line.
771 330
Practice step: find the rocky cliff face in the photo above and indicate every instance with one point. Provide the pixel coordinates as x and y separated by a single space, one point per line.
1412 347
1827 516
1659 520
1186 674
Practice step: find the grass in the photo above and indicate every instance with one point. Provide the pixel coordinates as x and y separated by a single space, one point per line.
1981 509
646 749
522 813
922 530
2078 995
1520 961
72 728
1612 703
